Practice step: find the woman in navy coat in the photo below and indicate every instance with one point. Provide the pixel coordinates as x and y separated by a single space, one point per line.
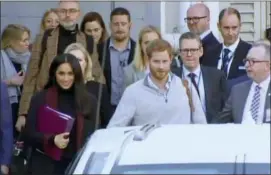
6 131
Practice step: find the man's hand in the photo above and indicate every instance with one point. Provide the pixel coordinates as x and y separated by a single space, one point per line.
20 123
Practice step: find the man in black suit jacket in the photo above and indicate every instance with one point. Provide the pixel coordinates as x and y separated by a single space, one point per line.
210 83
229 55
116 53
198 22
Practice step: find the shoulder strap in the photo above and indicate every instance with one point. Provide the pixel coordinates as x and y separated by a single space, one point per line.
46 34
188 93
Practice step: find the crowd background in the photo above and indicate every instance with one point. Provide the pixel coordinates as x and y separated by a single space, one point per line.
95 75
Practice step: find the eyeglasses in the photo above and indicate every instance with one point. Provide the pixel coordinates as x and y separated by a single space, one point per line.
251 62
192 51
194 19
65 11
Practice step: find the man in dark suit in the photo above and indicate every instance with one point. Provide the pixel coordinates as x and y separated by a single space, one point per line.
233 82
198 22
210 83
229 55
116 53
249 102
6 131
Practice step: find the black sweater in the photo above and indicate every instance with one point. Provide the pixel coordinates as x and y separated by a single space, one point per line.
67 37
66 104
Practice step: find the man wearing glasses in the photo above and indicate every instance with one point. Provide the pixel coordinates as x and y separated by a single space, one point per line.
249 102
198 22
49 45
210 83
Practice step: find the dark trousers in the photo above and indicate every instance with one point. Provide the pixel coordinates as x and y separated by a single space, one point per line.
15 108
40 164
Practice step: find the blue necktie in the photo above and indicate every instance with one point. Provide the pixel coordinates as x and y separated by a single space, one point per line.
255 105
225 61
193 80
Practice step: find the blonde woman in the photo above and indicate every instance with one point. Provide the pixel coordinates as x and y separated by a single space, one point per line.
49 20
93 87
14 59
139 68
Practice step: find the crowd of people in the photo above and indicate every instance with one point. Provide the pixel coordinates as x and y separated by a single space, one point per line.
106 81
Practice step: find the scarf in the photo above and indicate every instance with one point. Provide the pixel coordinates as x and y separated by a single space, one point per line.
52 101
8 70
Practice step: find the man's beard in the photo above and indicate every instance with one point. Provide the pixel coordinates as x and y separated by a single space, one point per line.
120 38
159 75
68 25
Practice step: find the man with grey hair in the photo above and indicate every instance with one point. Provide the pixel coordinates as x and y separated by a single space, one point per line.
50 44
249 102
198 22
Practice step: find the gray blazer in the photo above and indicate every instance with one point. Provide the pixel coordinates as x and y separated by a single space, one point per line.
234 107
131 75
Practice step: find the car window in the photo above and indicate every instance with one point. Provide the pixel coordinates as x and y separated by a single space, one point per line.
194 168
257 168
96 162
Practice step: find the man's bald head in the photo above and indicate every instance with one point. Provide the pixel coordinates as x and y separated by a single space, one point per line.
198 18
200 8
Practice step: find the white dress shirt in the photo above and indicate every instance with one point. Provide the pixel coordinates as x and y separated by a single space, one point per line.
247 116
232 49
199 82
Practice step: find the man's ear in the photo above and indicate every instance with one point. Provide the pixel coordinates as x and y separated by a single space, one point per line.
201 51
218 27
130 25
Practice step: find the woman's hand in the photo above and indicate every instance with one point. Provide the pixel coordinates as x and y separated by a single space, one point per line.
17 79
62 140
20 123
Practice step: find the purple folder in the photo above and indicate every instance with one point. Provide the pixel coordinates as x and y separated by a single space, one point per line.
53 122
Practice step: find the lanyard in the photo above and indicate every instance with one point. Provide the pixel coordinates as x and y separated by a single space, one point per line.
228 61
198 83
199 79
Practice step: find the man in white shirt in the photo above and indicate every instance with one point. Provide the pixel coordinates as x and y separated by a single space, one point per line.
228 56
210 83
249 102
198 22
160 97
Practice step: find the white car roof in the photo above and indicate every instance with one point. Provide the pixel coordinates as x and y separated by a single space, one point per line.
171 144
200 144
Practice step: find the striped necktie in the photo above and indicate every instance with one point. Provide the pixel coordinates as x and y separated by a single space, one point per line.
255 105
225 61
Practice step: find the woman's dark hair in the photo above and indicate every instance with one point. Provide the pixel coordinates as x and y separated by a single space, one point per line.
94 16
80 92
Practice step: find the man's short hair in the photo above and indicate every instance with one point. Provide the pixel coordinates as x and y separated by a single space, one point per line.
189 35
159 45
120 11
77 1
265 46
229 11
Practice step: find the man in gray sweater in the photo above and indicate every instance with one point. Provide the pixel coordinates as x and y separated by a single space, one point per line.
160 97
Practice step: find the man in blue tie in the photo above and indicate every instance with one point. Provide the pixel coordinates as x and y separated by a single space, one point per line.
228 56
249 102
6 131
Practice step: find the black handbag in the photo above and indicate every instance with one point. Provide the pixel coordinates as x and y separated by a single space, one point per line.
21 156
